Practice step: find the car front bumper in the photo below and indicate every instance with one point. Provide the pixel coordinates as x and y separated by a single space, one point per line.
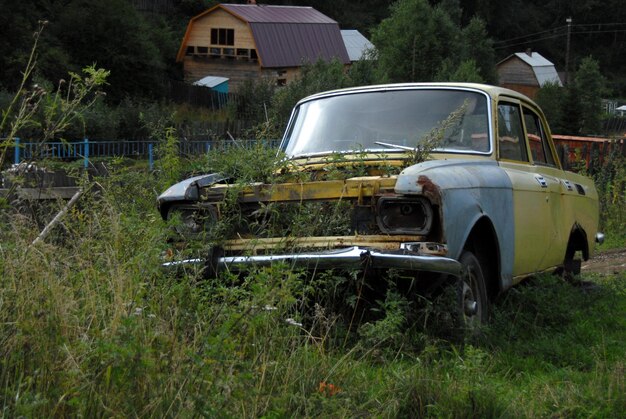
354 257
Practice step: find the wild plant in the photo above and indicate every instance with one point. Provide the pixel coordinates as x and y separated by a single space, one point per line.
51 113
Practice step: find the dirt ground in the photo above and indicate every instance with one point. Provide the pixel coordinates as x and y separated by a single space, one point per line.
608 262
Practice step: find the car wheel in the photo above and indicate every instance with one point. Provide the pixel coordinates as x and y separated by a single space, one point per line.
472 300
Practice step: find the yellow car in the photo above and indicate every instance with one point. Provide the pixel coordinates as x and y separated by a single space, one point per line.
439 179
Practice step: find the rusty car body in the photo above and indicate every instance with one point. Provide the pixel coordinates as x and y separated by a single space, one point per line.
490 204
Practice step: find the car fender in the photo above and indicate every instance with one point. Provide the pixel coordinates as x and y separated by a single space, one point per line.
187 190
466 191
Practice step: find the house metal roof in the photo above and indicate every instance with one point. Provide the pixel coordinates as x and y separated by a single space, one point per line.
210 81
356 44
258 13
286 36
294 44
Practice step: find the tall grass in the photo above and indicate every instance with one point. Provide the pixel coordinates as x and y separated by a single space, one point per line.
610 180
90 325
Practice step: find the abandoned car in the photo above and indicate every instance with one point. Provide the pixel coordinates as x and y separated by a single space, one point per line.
439 179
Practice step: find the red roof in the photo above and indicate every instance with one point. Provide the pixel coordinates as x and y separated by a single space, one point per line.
254 13
294 44
287 36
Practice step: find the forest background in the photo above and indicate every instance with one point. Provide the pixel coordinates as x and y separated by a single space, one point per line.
416 40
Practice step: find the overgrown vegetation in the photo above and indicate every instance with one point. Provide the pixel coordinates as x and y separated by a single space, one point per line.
610 180
49 113
91 325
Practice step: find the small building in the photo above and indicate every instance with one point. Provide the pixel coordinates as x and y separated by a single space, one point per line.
526 72
620 110
217 83
609 106
250 41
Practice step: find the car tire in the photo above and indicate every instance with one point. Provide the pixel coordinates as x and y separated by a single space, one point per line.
472 299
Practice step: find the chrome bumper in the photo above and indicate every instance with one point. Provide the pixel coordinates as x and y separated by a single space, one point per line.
349 258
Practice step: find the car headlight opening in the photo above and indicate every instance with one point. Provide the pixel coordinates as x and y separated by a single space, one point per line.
404 215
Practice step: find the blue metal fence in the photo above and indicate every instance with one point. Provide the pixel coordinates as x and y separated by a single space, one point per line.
137 149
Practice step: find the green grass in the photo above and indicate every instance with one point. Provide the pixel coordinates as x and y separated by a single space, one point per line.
91 326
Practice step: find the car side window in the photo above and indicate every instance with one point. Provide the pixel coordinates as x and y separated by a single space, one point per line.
510 133
537 139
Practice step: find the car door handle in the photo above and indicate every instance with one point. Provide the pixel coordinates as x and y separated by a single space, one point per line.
542 182
568 185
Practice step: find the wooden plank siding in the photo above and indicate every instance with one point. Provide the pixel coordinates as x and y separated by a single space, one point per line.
530 91
516 75
515 71
269 42
201 31
236 69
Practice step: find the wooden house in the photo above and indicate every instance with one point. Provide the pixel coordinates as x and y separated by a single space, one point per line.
526 72
250 41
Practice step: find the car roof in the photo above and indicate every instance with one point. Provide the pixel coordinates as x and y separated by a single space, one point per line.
492 91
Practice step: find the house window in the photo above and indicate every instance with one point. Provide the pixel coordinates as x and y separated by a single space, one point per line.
281 82
215 51
242 52
190 50
221 36
253 54
202 50
229 51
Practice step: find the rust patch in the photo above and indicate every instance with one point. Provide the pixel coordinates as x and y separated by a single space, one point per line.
429 189
432 191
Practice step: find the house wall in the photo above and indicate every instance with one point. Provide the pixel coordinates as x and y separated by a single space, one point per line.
516 75
201 30
202 63
516 72
530 91
236 70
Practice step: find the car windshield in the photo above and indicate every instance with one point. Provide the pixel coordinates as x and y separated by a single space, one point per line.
390 121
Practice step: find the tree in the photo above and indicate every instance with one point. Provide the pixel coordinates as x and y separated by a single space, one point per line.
467 72
414 40
366 70
423 43
572 118
591 86
113 35
551 98
477 46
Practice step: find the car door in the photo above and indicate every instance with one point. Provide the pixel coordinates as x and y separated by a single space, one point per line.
557 188
531 198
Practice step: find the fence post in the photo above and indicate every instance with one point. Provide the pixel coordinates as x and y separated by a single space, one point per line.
86 153
150 157
16 151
